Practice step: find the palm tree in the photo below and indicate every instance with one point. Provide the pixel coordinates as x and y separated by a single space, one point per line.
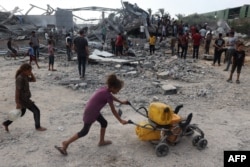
149 12
180 16
162 11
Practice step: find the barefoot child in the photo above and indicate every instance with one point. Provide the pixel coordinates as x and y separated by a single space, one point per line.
51 56
23 76
32 55
92 113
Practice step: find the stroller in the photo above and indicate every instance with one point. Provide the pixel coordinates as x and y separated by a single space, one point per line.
166 127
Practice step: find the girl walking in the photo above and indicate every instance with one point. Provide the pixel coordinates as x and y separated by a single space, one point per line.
92 113
23 76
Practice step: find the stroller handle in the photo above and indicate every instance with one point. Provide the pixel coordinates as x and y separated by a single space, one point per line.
139 110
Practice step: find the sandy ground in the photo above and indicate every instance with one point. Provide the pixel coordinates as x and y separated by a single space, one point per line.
223 116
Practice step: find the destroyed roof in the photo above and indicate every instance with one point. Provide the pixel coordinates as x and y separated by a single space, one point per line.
18 27
135 9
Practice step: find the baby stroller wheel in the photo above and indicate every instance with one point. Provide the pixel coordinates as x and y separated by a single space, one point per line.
22 55
196 140
202 143
161 149
7 56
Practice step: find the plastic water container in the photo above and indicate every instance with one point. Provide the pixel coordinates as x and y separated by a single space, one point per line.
160 113
14 114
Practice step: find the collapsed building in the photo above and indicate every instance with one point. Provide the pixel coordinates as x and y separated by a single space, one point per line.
128 18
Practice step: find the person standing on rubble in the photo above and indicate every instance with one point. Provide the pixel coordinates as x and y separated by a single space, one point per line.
46 37
104 33
172 45
184 45
35 40
10 45
218 49
68 41
119 45
179 43
51 51
231 43
81 48
152 41
208 41
238 60
32 55
196 44
112 42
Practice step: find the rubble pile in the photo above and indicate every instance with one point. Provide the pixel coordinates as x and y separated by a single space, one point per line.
156 77
145 74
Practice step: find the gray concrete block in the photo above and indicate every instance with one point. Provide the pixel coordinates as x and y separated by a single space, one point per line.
169 89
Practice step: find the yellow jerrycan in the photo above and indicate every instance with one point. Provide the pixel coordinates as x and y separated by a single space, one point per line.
160 113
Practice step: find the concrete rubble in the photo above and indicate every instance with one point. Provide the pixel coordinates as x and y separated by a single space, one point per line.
149 75
161 77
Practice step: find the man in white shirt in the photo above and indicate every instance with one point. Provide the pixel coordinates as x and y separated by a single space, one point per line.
231 44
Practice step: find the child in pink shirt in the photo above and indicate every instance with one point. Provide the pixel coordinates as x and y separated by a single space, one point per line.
92 111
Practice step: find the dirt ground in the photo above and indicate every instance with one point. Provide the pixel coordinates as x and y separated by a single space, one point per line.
223 115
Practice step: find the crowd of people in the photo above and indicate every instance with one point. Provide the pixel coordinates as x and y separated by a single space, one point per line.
182 39
234 51
182 36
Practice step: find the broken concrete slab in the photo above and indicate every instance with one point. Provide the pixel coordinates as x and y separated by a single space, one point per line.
208 57
169 89
163 75
97 58
70 81
102 53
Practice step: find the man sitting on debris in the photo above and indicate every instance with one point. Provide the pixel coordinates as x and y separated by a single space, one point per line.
9 45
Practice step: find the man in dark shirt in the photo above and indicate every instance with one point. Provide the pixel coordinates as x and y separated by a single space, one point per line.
196 44
218 49
9 45
81 48
238 62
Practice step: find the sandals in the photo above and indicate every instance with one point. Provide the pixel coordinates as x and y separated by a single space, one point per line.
230 81
61 150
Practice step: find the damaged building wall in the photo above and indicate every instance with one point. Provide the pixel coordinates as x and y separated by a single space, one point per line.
60 19
64 18
40 20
